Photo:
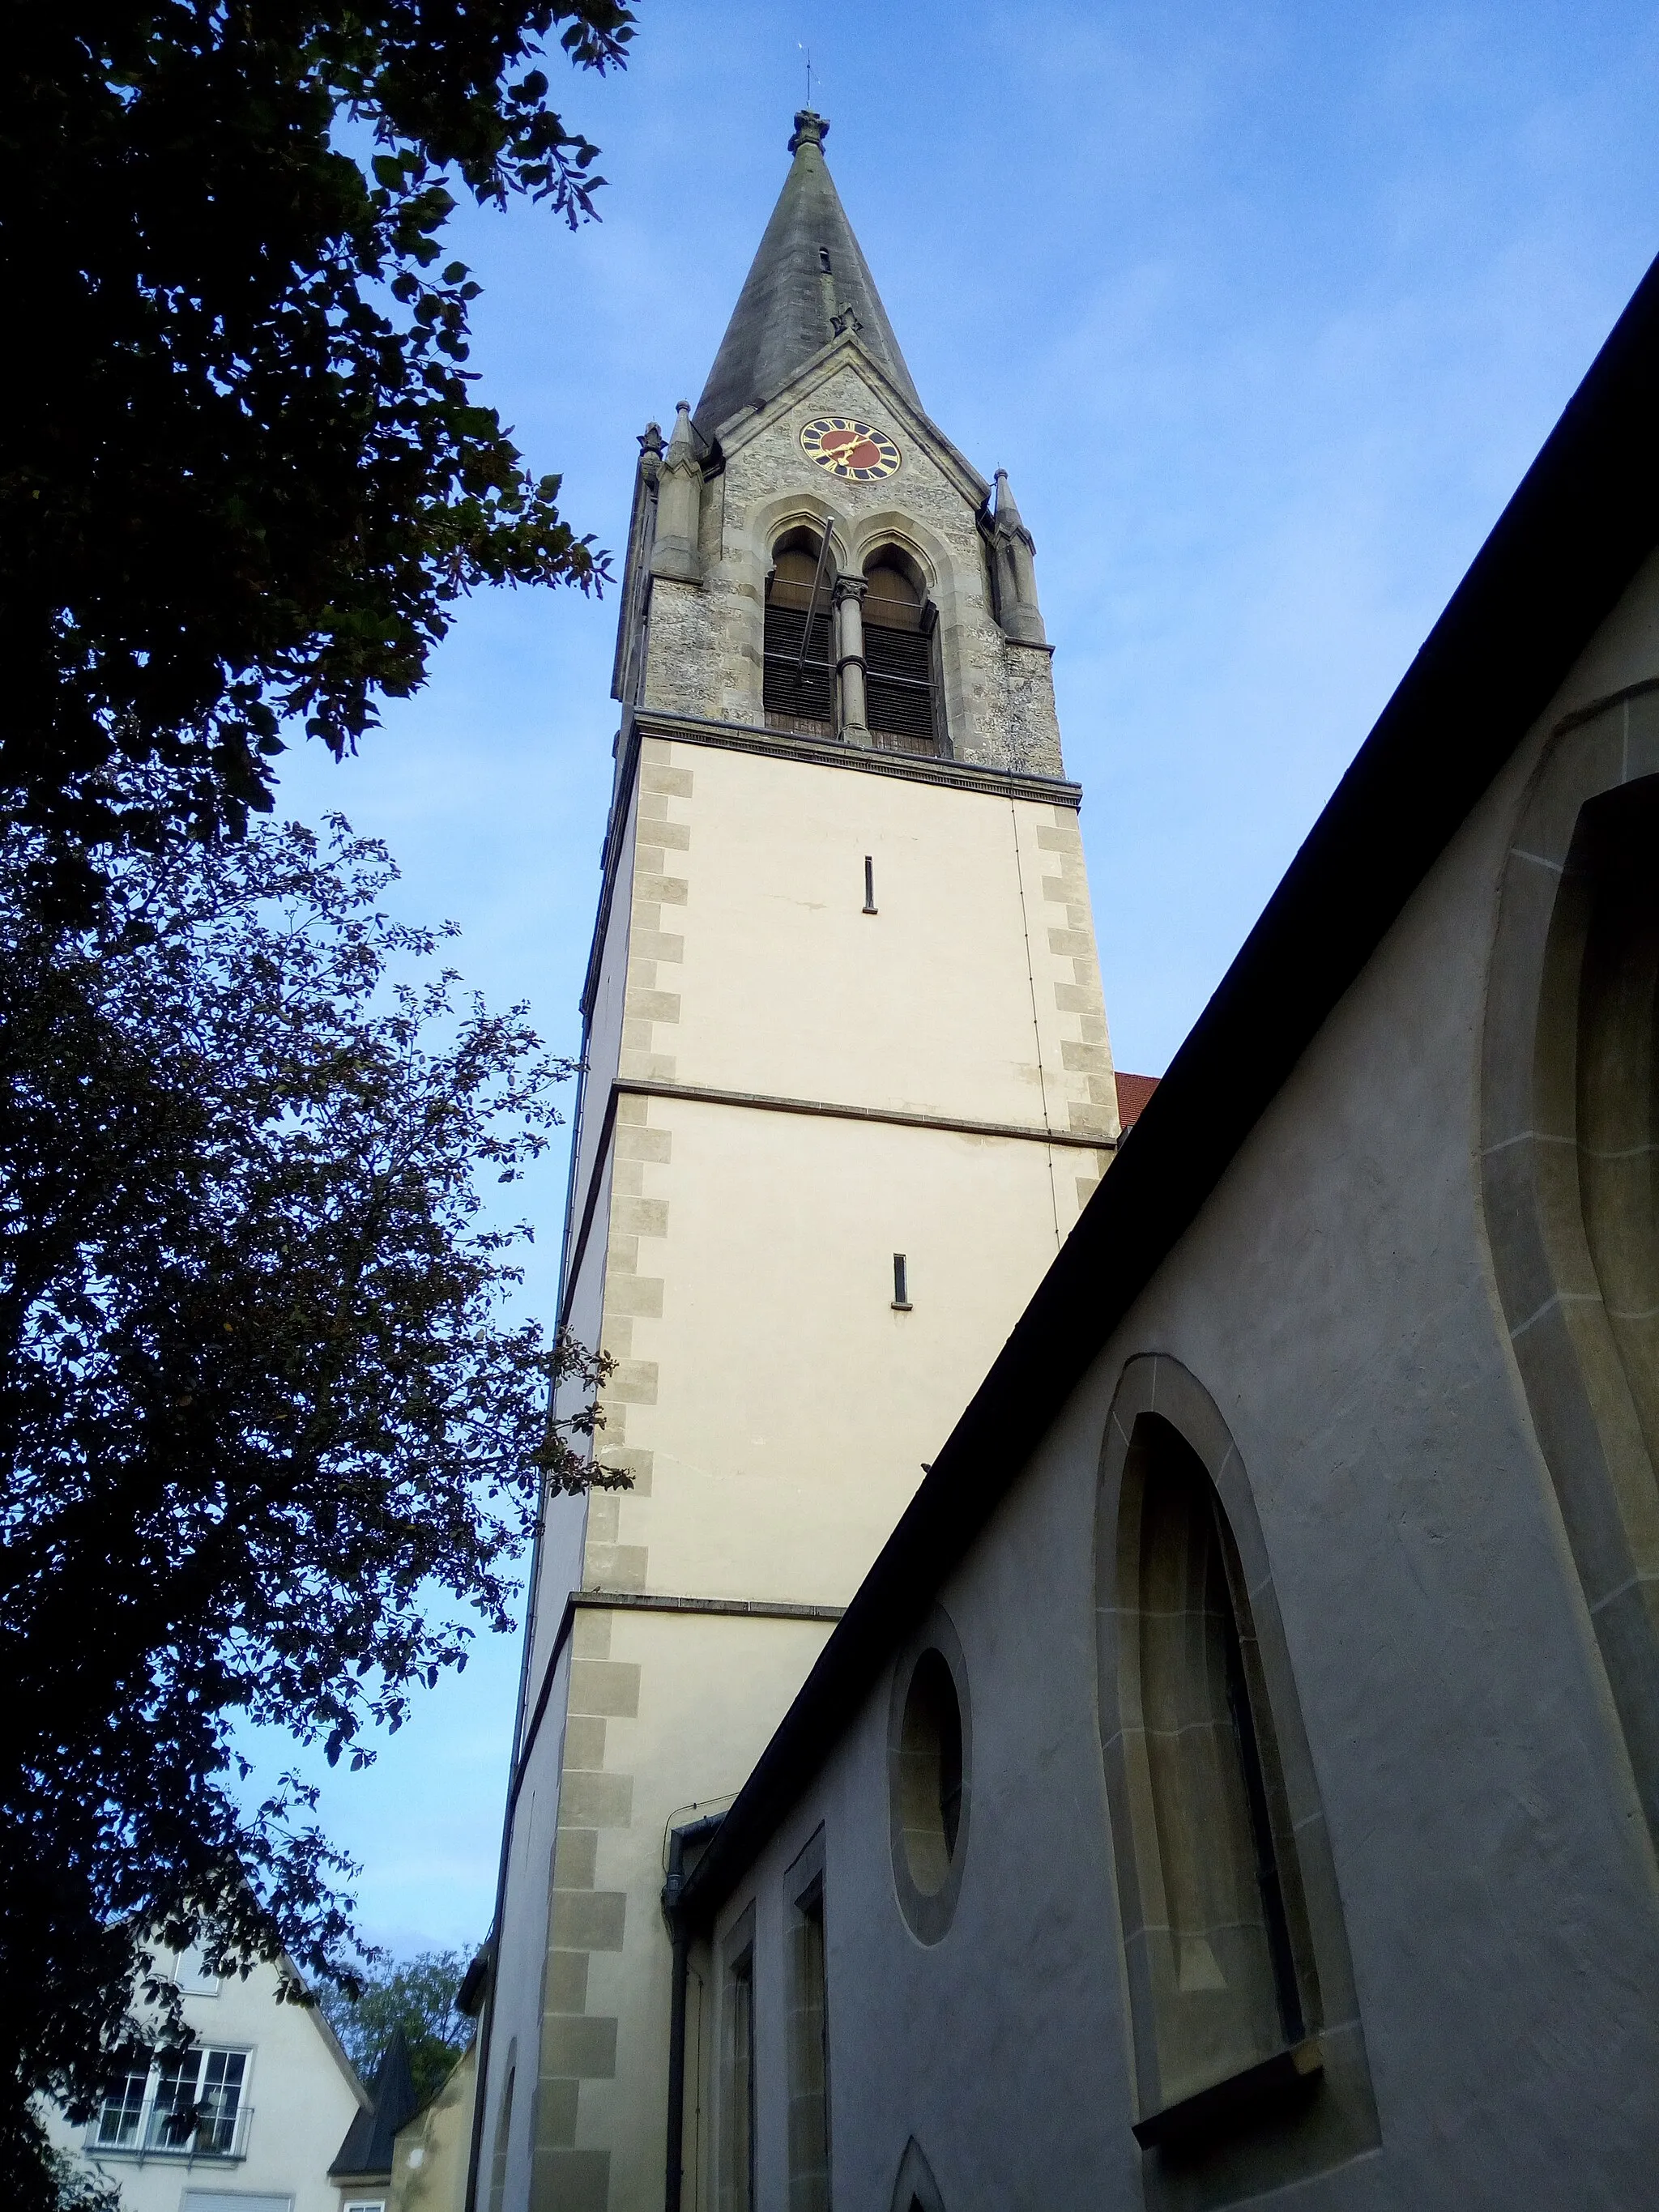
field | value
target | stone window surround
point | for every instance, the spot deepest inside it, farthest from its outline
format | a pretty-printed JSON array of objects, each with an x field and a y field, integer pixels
[
  {"x": 737, "y": 1950},
  {"x": 804, "y": 1898},
  {"x": 928, "y": 1917},
  {"x": 1252, "y": 2144},
  {"x": 1603, "y": 1481}
]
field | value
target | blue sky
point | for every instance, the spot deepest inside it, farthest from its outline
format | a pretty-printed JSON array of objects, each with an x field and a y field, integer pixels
[{"x": 1266, "y": 307}]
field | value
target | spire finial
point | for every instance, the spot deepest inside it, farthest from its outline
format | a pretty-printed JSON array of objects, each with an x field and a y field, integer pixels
[{"x": 811, "y": 130}]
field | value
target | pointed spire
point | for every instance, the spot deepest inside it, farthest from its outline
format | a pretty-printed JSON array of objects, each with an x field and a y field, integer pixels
[
  {"x": 809, "y": 283},
  {"x": 1014, "y": 569},
  {"x": 679, "y": 504}
]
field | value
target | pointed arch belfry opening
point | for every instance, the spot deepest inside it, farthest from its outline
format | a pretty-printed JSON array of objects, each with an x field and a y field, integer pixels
[{"x": 1243, "y": 2016}]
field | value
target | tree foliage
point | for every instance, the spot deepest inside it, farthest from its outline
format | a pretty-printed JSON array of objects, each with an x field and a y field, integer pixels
[
  {"x": 268, "y": 1425},
  {"x": 243, "y": 472},
  {"x": 417, "y": 1997}
]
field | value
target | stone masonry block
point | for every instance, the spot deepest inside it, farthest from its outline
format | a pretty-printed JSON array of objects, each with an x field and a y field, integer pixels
[
  {"x": 1070, "y": 943},
  {"x": 609, "y": 1687},
  {"x": 672, "y": 782},
  {"x": 567, "y": 1981},
  {"x": 589, "y": 1633},
  {"x": 570, "y": 2180},
  {"x": 576, "y": 1859},
  {"x": 637, "y": 1144},
  {"x": 589, "y": 1919},
  {"x": 629, "y": 1459},
  {"x": 656, "y": 945},
  {"x": 664, "y": 891},
  {"x": 646, "y": 1067},
  {"x": 1084, "y": 1059},
  {"x": 597, "y": 1801},
  {"x": 583, "y": 1742},
  {"x": 640, "y": 1217},
  {"x": 580, "y": 2047},
  {"x": 556, "y": 2114},
  {"x": 652, "y": 1006},
  {"x": 617, "y": 1566},
  {"x": 641, "y": 1295},
  {"x": 633, "y": 1382}
]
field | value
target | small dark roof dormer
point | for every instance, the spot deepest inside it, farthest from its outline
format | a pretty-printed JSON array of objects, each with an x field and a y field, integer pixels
[
  {"x": 809, "y": 283},
  {"x": 366, "y": 2153}
]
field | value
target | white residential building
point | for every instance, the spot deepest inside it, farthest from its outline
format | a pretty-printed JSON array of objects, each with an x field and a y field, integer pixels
[{"x": 248, "y": 2119}]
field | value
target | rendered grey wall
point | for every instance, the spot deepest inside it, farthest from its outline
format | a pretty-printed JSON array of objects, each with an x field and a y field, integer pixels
[{"x": 1335, "y": 1298}]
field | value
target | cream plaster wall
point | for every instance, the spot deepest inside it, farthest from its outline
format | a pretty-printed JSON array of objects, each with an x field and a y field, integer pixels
[
  {"x": 794, "y": 1405},
  {"x": 429, "y": 2158},
  {"x": 1498, "y": 1882},
  {"x": 940, "y": 1002}
]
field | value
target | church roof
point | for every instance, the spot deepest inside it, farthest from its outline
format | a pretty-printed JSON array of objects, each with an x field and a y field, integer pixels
[
  {"x": 809, "y": 283},
  {"x": 1570, "y": 541},
  {"x": 370, "y": 2138}
]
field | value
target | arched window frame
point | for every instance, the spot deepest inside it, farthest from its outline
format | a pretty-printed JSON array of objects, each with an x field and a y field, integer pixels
[
  {"x": 1299, "y": 2115},
  {"x": 1600, "y": 1467},
  {"x": 928, "y": 1914},
  {"x": 890, "y": 551},
  {"x": 798, "y": 694}
]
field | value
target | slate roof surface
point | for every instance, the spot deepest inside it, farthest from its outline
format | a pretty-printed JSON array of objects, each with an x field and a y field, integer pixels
[
  {"x": 1565, "y": 548},
  {"x": 786, "y": 309},
  {"x": 370, "y": 2140}
]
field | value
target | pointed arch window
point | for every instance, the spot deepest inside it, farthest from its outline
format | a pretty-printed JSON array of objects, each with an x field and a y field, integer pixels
[
  {"x": 1242, "y": 2007},
  {"x": 800, "y": 675},
  {"x": 900, "y": 657},
  {"x": 1570, "y": 1171}
]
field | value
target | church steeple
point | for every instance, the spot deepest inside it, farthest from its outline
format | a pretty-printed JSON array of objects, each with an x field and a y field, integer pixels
[{"x": 808, "y": 284}]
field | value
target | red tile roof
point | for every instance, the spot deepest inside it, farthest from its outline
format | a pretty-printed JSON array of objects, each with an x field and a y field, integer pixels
[{"x": 1132, "y": 1093}]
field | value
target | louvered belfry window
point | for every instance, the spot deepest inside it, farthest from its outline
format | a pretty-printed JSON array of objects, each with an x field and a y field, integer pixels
[
  {"x": 798, "y": 691},
  {"x": 898, "y": 658}
]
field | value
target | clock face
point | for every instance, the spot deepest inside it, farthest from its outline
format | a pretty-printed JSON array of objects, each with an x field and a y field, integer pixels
[{"x": 850, "y": 449}]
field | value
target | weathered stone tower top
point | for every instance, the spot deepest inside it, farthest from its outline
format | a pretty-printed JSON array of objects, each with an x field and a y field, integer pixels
[
  {"x": 809, "y": 283},
  {"x": 811, "y": 558}
]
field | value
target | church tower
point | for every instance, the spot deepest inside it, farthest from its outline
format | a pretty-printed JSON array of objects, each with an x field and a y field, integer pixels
[{"x": 847, "y": 1088}]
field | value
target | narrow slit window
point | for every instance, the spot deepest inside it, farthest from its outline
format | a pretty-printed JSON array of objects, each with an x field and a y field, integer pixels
[
  {"x": 738, "y": 2067},
  {"x": 808, "y": 2059},
  {"x": 900, "y": 1283},
  {"x": 869, "y": 884},
  {"x": 824, "y": 259}
]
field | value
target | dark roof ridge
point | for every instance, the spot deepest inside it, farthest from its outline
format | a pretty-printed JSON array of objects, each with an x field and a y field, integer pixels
[{"x": 1584, "y": 517}]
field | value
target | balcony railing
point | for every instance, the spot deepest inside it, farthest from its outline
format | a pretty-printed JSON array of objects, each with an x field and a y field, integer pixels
[{"x": 187, "y": 2138}]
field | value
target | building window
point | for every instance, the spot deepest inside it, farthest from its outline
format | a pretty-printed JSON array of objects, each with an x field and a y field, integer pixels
[
  {"x": 1570, "y": 1161},
  {"x": 808, "y": 2035},
  {"x": 187, "y": 2102},
  {"x": 503, "y": 2131},
  {"x": 1224, "y": 1985},
  {"x": 798, "y": 682},
  {"x": 930, "y": 1773},
  {"x": 901, "y": 692},
  {"x": 736, "y": 2165},
  {"x": 928, "y": 1749},
  {"x": 1242, "y": 2018}
]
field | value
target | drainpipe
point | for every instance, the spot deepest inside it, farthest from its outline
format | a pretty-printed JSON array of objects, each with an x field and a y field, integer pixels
[{"x": 694, "y": 1834}]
